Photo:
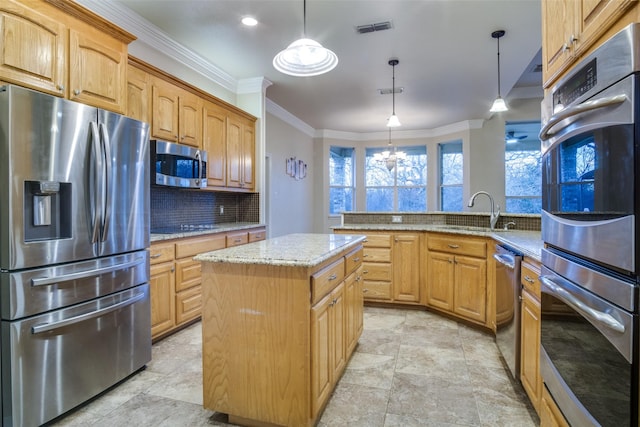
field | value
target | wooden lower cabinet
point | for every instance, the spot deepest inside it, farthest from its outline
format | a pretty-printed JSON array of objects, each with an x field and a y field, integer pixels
[
  {"x": 530, "y": 333},
  {"x": 175, "y": 278},
  {"x": 406, "y": 267},
  {"x": 457, "y": 276},
  {"x": 550, "y": 415}
]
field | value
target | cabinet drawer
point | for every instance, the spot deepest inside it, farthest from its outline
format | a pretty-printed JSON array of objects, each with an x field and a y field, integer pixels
[
  {"x": 457, "y": 245},
  {"x": 326, "y": 279},
  {"x": 530, "y": 281},
  {"x": 188, "y": 274},
  {"x": 257, "y": 235},
  {"x": 188, "y": 305},
  {"x": 377, "y": 290},
  {"x": 192, "y": 247},
  {"x": 161, "y": 252},
  {"x": 378, "y": 241},
  {"x": 237, "y": 238},
  {"x": 376, "y": 254},
  {"x": 376, "y": 271},
  {"x": 353, "y": 260}
]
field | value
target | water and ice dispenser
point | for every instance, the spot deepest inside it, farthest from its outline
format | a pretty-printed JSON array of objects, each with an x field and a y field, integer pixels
[{"x": 47, "y": 210}]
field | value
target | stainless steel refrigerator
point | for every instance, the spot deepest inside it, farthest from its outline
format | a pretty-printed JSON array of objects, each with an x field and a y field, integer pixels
[{"x": 74, "y": 263}]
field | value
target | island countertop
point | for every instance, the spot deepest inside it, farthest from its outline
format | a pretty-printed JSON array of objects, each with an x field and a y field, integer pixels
[{"x": 293, "y": 250}]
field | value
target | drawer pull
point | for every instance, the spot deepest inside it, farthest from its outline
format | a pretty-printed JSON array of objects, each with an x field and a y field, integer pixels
[
  {"x": 364, "y": 291},
  {"x": 237, "y": 241},
  {"x": 333, "y": 277},
  {"x": 365, "y": 255},
  {"x": 155, "y": 256},
  {"x": 453, "y": 246},
  {"x": 356, "y": 259},
  {"x": 529, "y": 279},
  {"x": 365, "y": 271}
]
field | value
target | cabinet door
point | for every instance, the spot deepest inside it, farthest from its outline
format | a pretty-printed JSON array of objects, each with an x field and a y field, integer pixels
[
  {"x": 161, "y": 285},
  {"x": 338, "y": 322},
  {"x": 530, "y": 349},
  {"x": 138, "y": 94},
  {"x": 234, "y": 152},
  {"x": 558, "y": 24},
  {"x": 33, "y": 50},
  {"x": 188, "y": 305},
  {"x": 321, "y": 353},
  {"x": 98, "y": 69},
  {"x": 248, "y": 155},
  {"x": 164, "y": 108},
  {"x": 440, "y": 274},
  {"x": 595, "y": 17},
  {"x": 470, "y": 288},
  {"x": 190, "y": 119},
  {"x": 353, "y": 309},
  {"x": 406, "y": 267},
  {"x": 214, "y": 133},
  {"x": 188, "y": 274},
  {"x": 550, "y": 415}
]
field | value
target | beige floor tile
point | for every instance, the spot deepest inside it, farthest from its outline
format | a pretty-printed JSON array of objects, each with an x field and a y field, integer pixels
[{"x": 371, "y": 370}]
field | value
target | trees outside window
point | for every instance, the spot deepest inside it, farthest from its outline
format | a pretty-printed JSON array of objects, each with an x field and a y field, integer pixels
[
  {"x": 341, "y": 180},
  {"x": 523, "y": 177},
  {"x": 401, "y": 188},
  {"x": 451, "y": 162}
]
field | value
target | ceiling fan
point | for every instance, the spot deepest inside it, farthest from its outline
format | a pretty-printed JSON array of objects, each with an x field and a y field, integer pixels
[{"x": 511, "y": 137}]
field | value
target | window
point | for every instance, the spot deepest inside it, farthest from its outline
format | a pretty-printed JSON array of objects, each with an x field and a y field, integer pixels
[
  {"x": 397, "y": 188},
  {"x": 451, "y": 176},
  {"x": 523, "y": 177},
  {"x": 341, "y": 191}
]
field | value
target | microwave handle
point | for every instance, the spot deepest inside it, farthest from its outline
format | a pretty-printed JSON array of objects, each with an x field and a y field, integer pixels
[
  {"x": 545, "y": 132},
  {"x": 200, "y": 172}
]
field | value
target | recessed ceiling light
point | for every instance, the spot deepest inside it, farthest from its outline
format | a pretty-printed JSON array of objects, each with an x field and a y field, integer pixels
[{"x": 249, "y": 21}]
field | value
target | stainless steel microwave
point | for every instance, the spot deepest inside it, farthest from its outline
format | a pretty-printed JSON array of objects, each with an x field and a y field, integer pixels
[{"x": 177, "y": 165}]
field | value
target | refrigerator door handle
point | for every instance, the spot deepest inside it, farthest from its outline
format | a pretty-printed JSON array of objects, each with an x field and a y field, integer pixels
[
  {"x": 106, "y": 208},
  {"x": 46, "y": 327},
  {"x": 44, "y": 281},
  {"x": 97, "y": 183}
]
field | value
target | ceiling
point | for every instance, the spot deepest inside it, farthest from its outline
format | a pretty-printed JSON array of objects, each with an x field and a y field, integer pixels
[{"x": 447, "y": 68}]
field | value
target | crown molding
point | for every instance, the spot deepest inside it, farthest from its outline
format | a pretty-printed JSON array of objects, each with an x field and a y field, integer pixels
[
  {"x": 253, "y": 85},
  {"x": 462, "y": 126},
  {"x": 287, "y": 117},
  {"x": 152, "y": 36}
]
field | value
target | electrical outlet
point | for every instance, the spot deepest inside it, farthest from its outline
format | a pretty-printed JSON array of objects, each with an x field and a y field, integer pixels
[
  {"x": 221, "y": 210},
  {"x": 396, "y": 218}
]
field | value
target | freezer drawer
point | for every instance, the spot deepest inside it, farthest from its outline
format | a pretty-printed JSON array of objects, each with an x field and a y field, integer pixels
[
  {"x": 30, "y": 292},
  {"x": 56, "y": 361}
]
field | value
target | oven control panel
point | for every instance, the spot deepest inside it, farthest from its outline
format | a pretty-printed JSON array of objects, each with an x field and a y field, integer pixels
[{"x": 577, "y": 85}]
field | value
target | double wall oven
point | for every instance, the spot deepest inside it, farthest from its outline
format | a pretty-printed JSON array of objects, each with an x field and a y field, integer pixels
[{"x": 590, "y": 226}]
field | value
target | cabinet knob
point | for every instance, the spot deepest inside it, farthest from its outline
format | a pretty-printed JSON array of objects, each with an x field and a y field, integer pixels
[
  {"x": 450, "y": 261},
  {"x": 76, "y": 92},
  {"x": 60, "y": 88},
  {"x": 572, "y": 39},
  {"x": 565, "y": 47},
  {"x": 173, "y": 269}
]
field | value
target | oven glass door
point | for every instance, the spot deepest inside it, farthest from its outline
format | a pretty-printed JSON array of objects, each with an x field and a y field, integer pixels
[
  {"x": 590, "y": 176},
  {"x": 580, "y": 363}
]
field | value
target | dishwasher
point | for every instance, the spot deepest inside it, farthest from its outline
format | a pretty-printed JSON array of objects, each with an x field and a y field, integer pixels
[{"x": 507, "y": 293}]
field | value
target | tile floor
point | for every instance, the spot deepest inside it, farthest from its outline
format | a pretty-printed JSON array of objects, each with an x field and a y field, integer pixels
[{"x": 411, "y": 368}]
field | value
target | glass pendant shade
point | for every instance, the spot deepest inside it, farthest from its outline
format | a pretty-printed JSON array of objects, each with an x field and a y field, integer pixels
[
  {"x": 498, "y": 105},
  {"x": 393, "y": 121},
  {"x": 305, "y": 57}
]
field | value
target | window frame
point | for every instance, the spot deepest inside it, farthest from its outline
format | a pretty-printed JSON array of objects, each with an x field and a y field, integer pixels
[
  {"x": 352, "y": 187},
  {"x": 441, "y": 185}
]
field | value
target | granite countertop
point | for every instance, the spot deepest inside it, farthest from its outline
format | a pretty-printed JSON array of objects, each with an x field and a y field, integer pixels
[
  {"x": 528, "y": 242},
  {"x": 220, "y": 228},
  {"x": 292, "y": 250}
]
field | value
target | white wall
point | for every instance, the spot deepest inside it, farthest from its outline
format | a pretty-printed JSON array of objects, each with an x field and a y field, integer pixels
[{"x": 290, "y": 201}]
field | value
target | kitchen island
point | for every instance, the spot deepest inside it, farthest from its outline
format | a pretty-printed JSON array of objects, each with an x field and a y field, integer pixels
[{"x": 280, "y": 319}]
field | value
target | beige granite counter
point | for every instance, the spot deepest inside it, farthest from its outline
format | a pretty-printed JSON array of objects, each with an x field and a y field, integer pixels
[
  {"x": 220, "y": 228},
  {"x": 293, "y": 250}
]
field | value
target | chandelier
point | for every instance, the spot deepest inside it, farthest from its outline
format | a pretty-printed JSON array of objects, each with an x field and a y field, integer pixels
[{"x": 391, "y": 156}]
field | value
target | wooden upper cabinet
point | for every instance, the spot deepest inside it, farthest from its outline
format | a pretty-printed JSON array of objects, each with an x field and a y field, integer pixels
[
  {"x": 177, "y": 114},
  {"x": 571, "y": 27},
  {"x": 138, "y": 94},
  {"x": 248, "y": 154},
  {"x": 33, "y": 50},
  {"x": 190, "y": 119},
  {"x": 214, "y": 133},
  {"x": 240, "y": 152},
  {"x": 98, "y": 69},
  {"x": 164, "y": 104}
]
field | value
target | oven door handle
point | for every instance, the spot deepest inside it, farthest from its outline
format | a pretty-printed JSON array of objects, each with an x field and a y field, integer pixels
[
  {"x": 545, "y": 132},
  {"x": 566, "y": 297}
]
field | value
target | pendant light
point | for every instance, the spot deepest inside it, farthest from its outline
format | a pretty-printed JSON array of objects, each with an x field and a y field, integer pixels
[
  {"x": 305, "y": 57},
  {"x": 393, "y": 121},
  {"x": 498, "y": 105}
]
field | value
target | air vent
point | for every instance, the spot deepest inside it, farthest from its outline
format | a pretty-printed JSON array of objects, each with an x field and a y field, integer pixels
[
  {"x": 537, "y": 68},
  {"x": 370, "y": 28},
  {"x": 389, "y": 91}
]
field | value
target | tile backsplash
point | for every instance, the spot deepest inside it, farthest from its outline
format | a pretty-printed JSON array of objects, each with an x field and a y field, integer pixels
[{"x": 174, "y": 207}]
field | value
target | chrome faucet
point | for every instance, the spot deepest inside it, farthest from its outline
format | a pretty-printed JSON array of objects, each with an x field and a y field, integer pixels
[{"x": 495, "y": 213}]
